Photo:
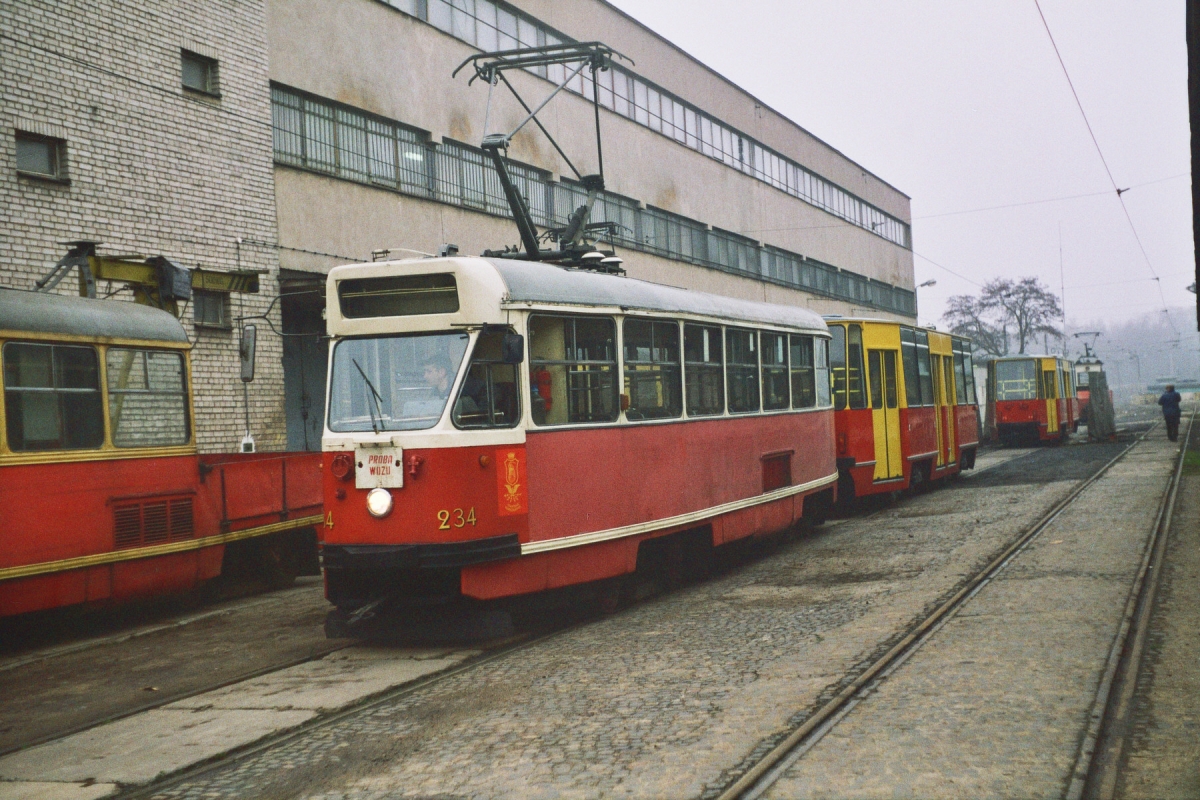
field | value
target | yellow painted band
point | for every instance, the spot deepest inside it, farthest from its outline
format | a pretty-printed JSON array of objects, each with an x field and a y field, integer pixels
[
  {"x": 99, "y": 559},
  {"x": 107, "y": 453},
  {"x": 105, "y": 340}
]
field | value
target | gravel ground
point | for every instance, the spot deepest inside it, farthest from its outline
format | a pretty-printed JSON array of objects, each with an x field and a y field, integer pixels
[
  {"x": 674, "y": 696},
  {"x": 1161, "y": 759},
  {"x": 995, "y": 704}
]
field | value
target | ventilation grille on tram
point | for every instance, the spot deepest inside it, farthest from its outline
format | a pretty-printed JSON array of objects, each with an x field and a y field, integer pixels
[{"x": 153, "y": 522}]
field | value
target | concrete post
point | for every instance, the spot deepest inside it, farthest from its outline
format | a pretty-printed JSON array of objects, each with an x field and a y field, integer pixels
[{"x": 1102, "y": 424}]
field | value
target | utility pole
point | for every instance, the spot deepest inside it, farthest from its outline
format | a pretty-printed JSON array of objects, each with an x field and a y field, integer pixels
[{"x": 1062, "y": 289}]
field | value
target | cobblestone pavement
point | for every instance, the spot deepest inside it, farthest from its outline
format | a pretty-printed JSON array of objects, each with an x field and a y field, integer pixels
[
  {"x": 996, "y": 703},
  {"x": 1162, "y": 756},
  {"x": 666, "y": 698}
]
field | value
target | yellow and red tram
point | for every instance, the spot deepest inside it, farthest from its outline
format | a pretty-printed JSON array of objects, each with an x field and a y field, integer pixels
[
  {"x": 904, "y": 404},
  {"x": 103, "y": 496},
  {"x": 499, "y": 427},
  {"x": 1032, "y": 398}
]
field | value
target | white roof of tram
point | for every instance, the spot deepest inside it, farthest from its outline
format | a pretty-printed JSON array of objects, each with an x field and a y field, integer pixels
[
  {"x": 63, "y": 315},
  {"x": 517, "y": 284}
]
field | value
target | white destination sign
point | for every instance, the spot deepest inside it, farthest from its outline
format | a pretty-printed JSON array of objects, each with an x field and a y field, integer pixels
[{"x": 378, "y": 466}]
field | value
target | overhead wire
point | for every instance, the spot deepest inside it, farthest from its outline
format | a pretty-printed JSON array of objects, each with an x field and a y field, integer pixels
[{"x": 1104, "y": 161}]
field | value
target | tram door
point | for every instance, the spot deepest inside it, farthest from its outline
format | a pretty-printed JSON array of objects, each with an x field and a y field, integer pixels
[
  {"x": 1050, "y": 392},
  {"x": 948, "y": 400},
  {"x": 885, "y": 414},
  {"x": 939, "y": 394}
]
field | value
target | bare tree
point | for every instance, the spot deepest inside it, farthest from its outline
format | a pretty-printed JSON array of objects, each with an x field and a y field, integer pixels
[
  {"x": 967, "y": 318},
  {"x": 1025, "y": 308}
]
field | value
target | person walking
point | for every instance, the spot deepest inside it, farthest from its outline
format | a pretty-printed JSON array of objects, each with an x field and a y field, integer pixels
[{"x": 1170, "y": 406}]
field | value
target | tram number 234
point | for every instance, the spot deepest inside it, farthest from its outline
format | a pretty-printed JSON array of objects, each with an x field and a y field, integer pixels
[{"x": 456, "y": 518}]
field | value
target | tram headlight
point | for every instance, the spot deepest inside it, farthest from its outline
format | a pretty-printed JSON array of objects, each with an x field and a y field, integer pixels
[{"x": 379, "y": 502}]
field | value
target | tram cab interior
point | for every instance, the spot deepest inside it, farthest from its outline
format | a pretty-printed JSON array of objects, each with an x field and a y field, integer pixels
[
  {"x": 1033, "y": 398},
  {"x": 524, "y": 426},
  {"x": 905, "y": 405}
]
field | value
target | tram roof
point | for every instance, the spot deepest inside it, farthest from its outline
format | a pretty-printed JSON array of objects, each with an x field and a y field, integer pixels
[
  {"x": 550, "y": 284},
  {"x": 37, "y": 312}
]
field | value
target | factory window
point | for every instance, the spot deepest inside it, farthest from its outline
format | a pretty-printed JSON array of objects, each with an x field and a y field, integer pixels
[
  {"x": 41, "y": 156},
  {"x": 327, "y": 137},
  {"x": 210, "y": 309},
  {"x": 199, "y": 73},
  {"x": 492, "y": 26}
]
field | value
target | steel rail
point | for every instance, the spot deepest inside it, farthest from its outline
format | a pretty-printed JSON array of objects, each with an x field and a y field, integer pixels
[
  {"x": 767, "y": 770},
  {"x": 1097, "y": 764}
]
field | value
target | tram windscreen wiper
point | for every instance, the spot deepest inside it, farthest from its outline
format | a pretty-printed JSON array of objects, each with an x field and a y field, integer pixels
[{"x": 375, "y": 398}]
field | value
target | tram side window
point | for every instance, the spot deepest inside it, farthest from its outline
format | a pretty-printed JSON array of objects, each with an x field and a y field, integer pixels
[
  {"x": 488, "y": 396},
  {"x": 1048, "y": 384},
  {"x": 572, "y": 369},
  {"x": 970, "y": 373},
  {"x": 924, "y": 369},
  {"x": 1062, "y": 383},
  {"x": 704, "y": 370},
  {"x": 960, "y": 374},
  {"x": 773, "y": 347},
  {"x": 912, "y": 377},
  {"x": 52, "y": 397},
  {"x": 742, "y": 370},
  {"x": 804, "y": 373},
  {"x": 652, "y": 379},
  {"x": 147, "y": 399},
  {"x": 1016, "y": 380},
  {"x": 821, "y": 354},
  {"x": 837, "y": 364},
  {"x": 948, "y": 380},
  {"x": 856, "y": 390}
]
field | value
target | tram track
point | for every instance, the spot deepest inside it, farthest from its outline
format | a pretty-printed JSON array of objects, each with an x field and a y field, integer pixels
[
  {"x": 759, "y": 776},
  {"x": 1097, "y": 765}
]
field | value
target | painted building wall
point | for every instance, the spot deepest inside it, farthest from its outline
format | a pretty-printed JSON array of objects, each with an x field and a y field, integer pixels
[
  {"x": 372, "y": 57},
  {"x": 150, "y": 169}
]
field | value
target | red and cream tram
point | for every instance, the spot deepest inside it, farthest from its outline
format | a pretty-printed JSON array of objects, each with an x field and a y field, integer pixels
[
  {"x": 1033, "y": 399},
  {"x": 500, "y": 427},
  {"x": 904, "y": 405},
  {"x": 102, "y": 494}
]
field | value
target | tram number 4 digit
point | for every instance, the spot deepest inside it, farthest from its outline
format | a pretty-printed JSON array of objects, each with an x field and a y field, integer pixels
[{"x": 456, "y": 518}]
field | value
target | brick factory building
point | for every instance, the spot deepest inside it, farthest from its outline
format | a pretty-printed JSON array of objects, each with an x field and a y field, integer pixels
[{"x": 289, "y": 136}]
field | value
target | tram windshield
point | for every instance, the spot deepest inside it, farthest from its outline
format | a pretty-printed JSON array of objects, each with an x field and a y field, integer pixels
[
  {"x": 393, "y": 383},
  {"x": 1016, "y": 380}
]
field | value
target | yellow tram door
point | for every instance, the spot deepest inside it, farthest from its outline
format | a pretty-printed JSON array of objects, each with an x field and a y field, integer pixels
[
  {"x": 1050, "y": 392},
  {"x": 885, "y": 414},
  {"x": 948, "y": 400},
  {"x": 935, "y": 369}
]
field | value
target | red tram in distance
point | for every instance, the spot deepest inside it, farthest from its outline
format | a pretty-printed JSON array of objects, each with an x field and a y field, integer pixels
[
  {"x": 1033, "y": 399},
  {"x": 904, "y": 404},
  {"x": 103, "y": 496},
  {"x": 500, "y": 427}
]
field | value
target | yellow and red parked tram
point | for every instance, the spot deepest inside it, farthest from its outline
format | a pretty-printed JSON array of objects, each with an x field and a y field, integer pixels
[
  {"x": 904, "y": 405},
  {"x": 498, "y": 427},
  {"x": 103, "y": 496},
  {"x": 1032, "y": 398}
]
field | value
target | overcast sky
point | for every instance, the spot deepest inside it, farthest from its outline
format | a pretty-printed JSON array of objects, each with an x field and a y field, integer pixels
[{"x": 963, "y": 106}]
